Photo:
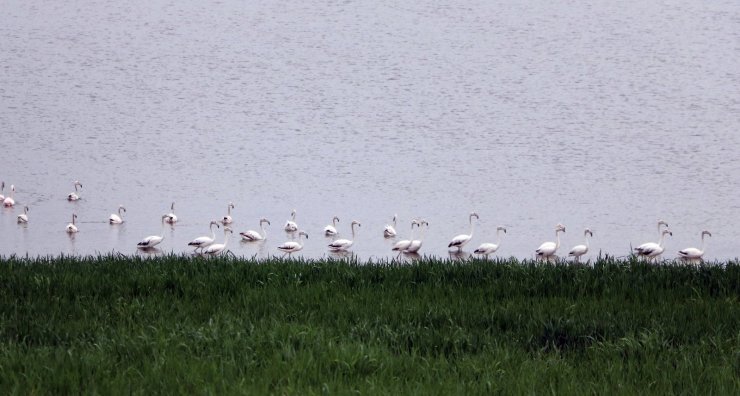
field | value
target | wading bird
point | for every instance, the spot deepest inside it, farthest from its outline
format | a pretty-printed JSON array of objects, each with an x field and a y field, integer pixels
[
  {"x": 291, "y": 247},
  {"x": 23, "y": 217},
  {"x": 580, "y": 250},
  {"x": 117, "y": 218},
  {"x": 402, "y": 245},
  {"x": 694, "y": 253},
  {"x": 652, "y": 250},
  {"x": 73, "y": 196},
  {"x": 390, "y": 230},
  {"x": 462, "y": 239},
  {"x": 254, "y": 236},
  {"x": 291, "y": 225},
  {"x": 548, "y": 249},
  {"x": 344, "y": 244},
  {"x": 71, "y": 227},
  {"x": 152, "y": 240},
  {"x": 331, "y": 229},
  {"x": 489, "y": 248},
  {"x": 2, "y": 190},
  {"x": 416, "y": 243},
  {"x": 205, "y": 241},
  {"x": 227, "y": 219},
  {"x": 171, "y": 218},
  {"x": 218, "y": 248},
  {"x": 9, "y": 201}
]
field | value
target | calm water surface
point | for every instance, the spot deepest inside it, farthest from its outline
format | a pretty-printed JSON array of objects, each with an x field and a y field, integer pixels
[{"x": 608, "y": 115}]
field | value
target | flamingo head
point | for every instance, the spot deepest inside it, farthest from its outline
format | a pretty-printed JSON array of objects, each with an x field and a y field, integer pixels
[
  {"x": 559, "y": 228},
  {"x": 667, "y": 232},
  {"x": 501, "y": 228},
  {"x": 474, "y": 214},
  {"x": 705, "y": 232},
  {"x": 264, "y": 220},
  {"x": 662, "y": 223},
  {"x": 588, "y": 232},
  {"x": 303, "y": 233}
]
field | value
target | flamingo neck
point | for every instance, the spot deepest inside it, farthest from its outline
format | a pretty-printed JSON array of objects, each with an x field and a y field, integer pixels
[
  {"x": 421, "y": 233},
  {"x": 213, "y": 233},
  {"x": 587, "y": 241},
  {"x": 353, "y": 232},
  {"x": 702, "y": 243},
  {"x": 557, "y": 239},
  {"x": 472, "y": 226},
  {"x": 660, "y": 242},
  {"x": 498, "y": 237}
]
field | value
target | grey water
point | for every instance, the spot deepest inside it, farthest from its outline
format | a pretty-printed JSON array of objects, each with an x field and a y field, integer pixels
[{"x": 608, "y": 115}]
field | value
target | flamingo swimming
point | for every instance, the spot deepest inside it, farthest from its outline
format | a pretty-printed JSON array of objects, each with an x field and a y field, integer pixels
[
  {"x": 73, "y": 196},
  {"x": 462, "y": 239},
  {"x": 652, "y": 250},
  {"x": 204, "y": 241},
  {"x": 331, "y": 229},
  {"x": 227, "y": 219},
  {"x": 344, "y": 244},
  {"x": 171, "y": 218},
  {"x": 390, "y": 230},
  {"x": 117, "y": 218},
  {"x": 254, "y": 236},
  {"x": 694, "y": 253},
  {"x": 580, "y": 250},
  {"x": 548, "y": 249},
  {"x": 415, "y": 244},
  {"x": 23, "y": 217},
  {"x": 290, "y": 225},
  {"x": 9, "y": 201},
  {"x": 152, "y": 240},
  {"x": 291, "y": 247},
  {"x": 489, "y": 248},
  {"x": 218, "y": 248},
  {"x": 71, "y": 227}
]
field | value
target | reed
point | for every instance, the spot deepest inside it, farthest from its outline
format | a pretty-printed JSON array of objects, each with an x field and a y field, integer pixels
[{"x": 176, "y": 324}]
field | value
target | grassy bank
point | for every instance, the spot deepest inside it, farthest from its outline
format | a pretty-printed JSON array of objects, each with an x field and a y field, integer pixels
[{"x": 115, "y": 325}]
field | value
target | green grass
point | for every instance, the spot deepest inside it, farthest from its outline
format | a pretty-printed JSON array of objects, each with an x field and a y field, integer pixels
[{"x": 121, "y": 325}]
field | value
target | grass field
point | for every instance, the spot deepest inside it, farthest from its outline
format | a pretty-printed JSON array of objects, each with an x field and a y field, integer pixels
[{"x": 120, "y": 325}]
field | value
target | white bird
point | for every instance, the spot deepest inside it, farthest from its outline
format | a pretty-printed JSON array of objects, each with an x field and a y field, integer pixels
[
  {"x": 117, "y": 218},
  {"x": 344, "y": 244},
  {"x": 661, "y": 223},
  {"x": 694, "y": 253},
  {"x": 404, "y": 244},
  {"x": 490, "y": 248},
  {"x": 254, "y": 236},
  {"x": 227, "y": 219},
  {"x": 171, "y": 218},
  {"x": 652, "y": 250},
  {"x": 390, "y": 230},
  {"x": 2, "y": 189},
  {"x": 9, "y": 201},
  {"x": 580, "y": 250},
  {"x": 204, "y": 241},
  {"x": 290, "y": 225},
  {"x": 548, "y": 249},
  {"x": 331, "y": 229},
  {"x": 71, "y": 227},
  {"x": 218, "y": 248},
  {"x": 152, "y": 240},
  {"x": 462, "y": 239},
  {"x": 23, "y": 217},
  {"x": 73, "y": 196},
  {"x": 291, "y": 247},
  {"x": 415, "y": 244}
]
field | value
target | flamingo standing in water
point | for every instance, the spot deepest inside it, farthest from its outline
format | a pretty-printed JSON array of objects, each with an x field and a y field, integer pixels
[
  {"x": 652, "y": 250},
  {"x": 254, "y": 236},
  {"x": 291, "y": 247},
  {"x": 404, "y": 244},
  {"x": 548, "y": 249},
  {"x": 345, "y": 244},
  {"x": 331, "y": 229},
  {"x": 2, "y": 189},
  {"x": 152, "y": 240},
  {"x": 227, "y": 219},
  {"x": 489, "y": 248},
  {"x": 580, "y": 250},
  {"x": 73, "y": 196},
  {"x": 9, "y": 201},
  {"x": 117, "y": 218},
  {"x": 218, "y": 248},
  {"x": 694, "y": 253},
  {"x": 205, "y": 241},
  {"x": 661, "y": 223},
  {"x": 462, "y": 239},
  {"x": 171, "y": 218},
  {"x": 71, "y": 227},
  {"x": 390, "y": 230},
  {"x": 415, "y": 244},
  {"x": 23, "y": 217},
  {"x": 290, "y": 225}
]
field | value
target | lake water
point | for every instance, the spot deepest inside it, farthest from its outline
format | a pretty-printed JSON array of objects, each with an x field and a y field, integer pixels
[{"x": 608, "y": 115}]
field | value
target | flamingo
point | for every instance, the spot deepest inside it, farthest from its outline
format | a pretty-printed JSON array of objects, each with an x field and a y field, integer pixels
[
  {"x": 404, "y": 244},
  {"x": 661, "y": 223},
  {"x": 345, "y": 244},
  {"x": 254, "y": 236},
  {"x": 73, "y": 195},
  {"x": 71, "y": 227},
  {"x": 462, "y": 239},
  {"x": 227, "y": 219},
  {"x": 171, "y": 218},
  {"x": 489, "y": 248},
  {"x": 117, "y": 218},
  {"x": 23, "y": 217},
  {"x": 218, "y": 248},
  {"x": 152, "y": 240},
  {"x": 548, "y": 249},
  {"x": 291, "y": 247},
  {"x": 9, "y": 201},
  {"x": 580, "y": 250},
  {"x": 652, "y": 250},
  {"x": 290, "y": 225},
  {"x": 694, "y": 253},
  {"x": 331, "y": 229},
  {"x": 390, "y": 230},
  {"x": 2, "y": 188},
  {"x": 205, "y": 241},
  {"x": 415, "y": 245}
]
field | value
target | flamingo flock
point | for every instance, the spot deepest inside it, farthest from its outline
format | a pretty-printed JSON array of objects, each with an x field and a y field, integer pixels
[{"x": 206, "y": 245}]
